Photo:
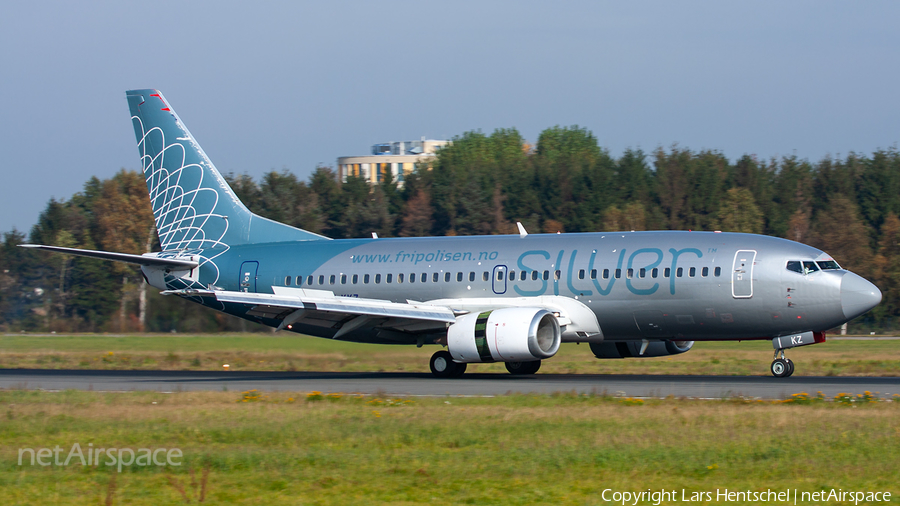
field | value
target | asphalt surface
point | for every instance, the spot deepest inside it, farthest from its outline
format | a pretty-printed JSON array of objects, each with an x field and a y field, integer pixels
[{"x": 412, "y": 384}]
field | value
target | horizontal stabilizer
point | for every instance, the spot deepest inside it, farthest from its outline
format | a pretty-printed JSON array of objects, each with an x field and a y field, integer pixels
[{"x": 119, "y": 257}]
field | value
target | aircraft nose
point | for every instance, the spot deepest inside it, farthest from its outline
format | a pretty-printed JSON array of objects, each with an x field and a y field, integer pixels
[{"x": 858, "y": 295}]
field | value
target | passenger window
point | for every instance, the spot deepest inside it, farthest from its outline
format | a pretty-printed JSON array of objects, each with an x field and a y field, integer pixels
[
  {"x": 794, "y": 266},
  {"x": 378, "y": 279},
  {"x": 629, "y": 273},
  {"x": 667, "y": 272},
  {"x": 523, "y": 275},
  {"x": 618, "y": 273},
  {"x": 387, "y": 278},
  {"x": 321, "y": 279},
  {"x": 546, "y": 275},
  {"x": 679, "y": 272},
  {"x": 512, "y": 275},
  {"x": 446, "y": 277},
  {"x": 399, "y": 278},
  {"x": 343, "y": 279},
  {"x": 499, "y": 275},
  {"x": 287, "y": 281},
  {"x": 693, "y": 272},
  {"x": 299, "y": 280},
  {"x": 704, "y": 272},
  {"x": 581, "y": 274},
  {"x": 534, "y": 275},
  {"x": 485, "y": 276},
  {"x": 718, "y": 271},
  {"x": 593, "y": 273},
  {"x": 332, "y": 279},
  {"x": 471, "y": 277},
  {"x": 557, "y": 275},
  {"x": 459, "y": 277},
  {"x": 366, "y": 279},
  {"x": 654, "y": 273},
  {"x": 425, "y": 277},
  {"x": 642, "y": 273},
  {"x": 412, "y": 278},
  {"x": 605, "y": 273},
  {"x": 355, "y": 279},
  {"x": 810, "y": 267},
  {"x": 309, "y": 280}
]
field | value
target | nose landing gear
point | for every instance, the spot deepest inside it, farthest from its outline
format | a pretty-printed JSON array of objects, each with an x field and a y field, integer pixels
[{"x": 781, "y": 367}]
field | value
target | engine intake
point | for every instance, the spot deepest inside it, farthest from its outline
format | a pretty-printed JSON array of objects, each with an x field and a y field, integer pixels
[{"x": 519, "y": 334}]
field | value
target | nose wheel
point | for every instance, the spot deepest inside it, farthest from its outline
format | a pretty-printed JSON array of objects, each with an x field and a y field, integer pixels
[{"x": 782, "y": 367}]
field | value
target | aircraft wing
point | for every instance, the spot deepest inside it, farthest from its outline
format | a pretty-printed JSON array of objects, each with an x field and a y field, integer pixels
[
  {"x": 171, "y": 263},
  {"x": 321, "y": 308}
]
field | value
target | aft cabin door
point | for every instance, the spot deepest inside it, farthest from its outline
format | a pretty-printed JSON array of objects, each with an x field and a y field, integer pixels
[
  {"x": 742, "y": 274},
  {"x": 248, "y": 276},
  {"x": 499, "y": 279}
]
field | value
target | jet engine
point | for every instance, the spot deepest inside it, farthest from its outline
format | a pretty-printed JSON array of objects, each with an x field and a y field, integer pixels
[
  {"x": 515, "y": 334},
  {"x": 626, "y": 349}
]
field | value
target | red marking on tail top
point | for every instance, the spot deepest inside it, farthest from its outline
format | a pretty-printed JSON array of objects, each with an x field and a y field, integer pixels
[{"x": 166, "y": 108}]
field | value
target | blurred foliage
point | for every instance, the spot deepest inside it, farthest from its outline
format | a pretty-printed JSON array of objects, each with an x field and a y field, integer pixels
[{"x": 479, "y": 184}]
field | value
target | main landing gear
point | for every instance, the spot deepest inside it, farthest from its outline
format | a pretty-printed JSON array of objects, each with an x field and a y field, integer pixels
[
  {"x": 782, "y": 367},
  {"x": 443, "y": 366}
]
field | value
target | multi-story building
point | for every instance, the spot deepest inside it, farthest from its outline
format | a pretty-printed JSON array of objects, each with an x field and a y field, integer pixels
[{"x": 396, "y": 158}]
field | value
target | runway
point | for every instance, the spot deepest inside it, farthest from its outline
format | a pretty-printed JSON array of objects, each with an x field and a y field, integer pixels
[{"x": 416, "y": 384}]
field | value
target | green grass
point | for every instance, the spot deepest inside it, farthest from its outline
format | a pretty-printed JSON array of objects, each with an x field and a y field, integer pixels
[
  {"x": 290, "y": 352},
  {"x": 283, "y": 448}
]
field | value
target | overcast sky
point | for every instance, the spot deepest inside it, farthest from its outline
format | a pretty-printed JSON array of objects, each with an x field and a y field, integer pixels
[{"x": 290, "y": 85}]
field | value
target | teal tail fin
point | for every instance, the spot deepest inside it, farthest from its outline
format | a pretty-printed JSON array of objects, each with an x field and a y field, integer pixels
[{"x": 193, "y": 206}]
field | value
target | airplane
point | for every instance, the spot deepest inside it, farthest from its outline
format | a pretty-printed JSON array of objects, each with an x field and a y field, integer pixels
[{"x": 511, "y": 298}]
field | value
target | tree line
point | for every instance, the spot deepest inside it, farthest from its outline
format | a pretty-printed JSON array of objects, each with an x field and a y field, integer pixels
[{"x": 480, "y": 184}]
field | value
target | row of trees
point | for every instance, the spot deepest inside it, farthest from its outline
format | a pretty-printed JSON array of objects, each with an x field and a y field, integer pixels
[{"x": 480, "y": 184}]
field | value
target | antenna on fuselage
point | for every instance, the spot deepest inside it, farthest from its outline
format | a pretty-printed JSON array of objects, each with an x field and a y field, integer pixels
[{"x": 522, "y": 231}]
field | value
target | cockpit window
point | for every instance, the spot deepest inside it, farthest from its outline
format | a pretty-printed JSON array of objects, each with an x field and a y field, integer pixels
[
  {"x": 810, "y": 267},
  {"x": 828, "y": 265},
  {"x": 794, "y": 265}
]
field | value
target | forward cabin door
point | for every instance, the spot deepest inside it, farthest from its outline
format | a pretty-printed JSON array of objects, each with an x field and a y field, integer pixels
[
  {"x": 742, "y": 274},
  {"x": 499, "y": 279},
  {"x": 248, "y": 276}
]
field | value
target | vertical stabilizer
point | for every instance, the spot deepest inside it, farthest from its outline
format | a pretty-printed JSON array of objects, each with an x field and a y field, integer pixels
[{"x": 193, "y": 206}]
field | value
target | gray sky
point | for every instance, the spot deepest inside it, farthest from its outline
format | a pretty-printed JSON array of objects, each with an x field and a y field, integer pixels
[{"x": 274, "y": 85}]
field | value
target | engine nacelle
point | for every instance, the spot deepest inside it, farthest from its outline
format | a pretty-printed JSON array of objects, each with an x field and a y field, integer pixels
[
  {"x": 515, "y": 334},
  {"x": 626, "y": 349}
]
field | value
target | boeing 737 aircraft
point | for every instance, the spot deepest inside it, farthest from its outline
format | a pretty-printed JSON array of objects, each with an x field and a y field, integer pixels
[{"x": 511, "y": 299}]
